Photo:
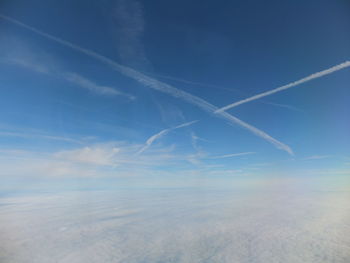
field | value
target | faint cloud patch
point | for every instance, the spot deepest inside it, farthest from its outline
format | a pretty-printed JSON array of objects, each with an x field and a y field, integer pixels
[
  {"x": 317, "y": 157},
  {"x": 129, "y": 30},
  {"x": 22, "y": 55},
  {"x": 83, "y": 82},
  {"x": 90, "y": 155}
]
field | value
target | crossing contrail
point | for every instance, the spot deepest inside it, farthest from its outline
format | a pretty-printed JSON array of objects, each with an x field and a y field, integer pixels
[
  {"x": 158, "y": 85},
  {"x": 288, "y": 86}
]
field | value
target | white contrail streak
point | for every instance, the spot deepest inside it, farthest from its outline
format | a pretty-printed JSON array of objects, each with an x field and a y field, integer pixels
[
  {"x": 231, "y": 155},
  {"x": 151, "y": 139},
  {"x": 290, "y": 85},
  {"x": 160, "y": 134},
  {"x": 185, "y": 124},
  {"x": 158, "y": 85}
]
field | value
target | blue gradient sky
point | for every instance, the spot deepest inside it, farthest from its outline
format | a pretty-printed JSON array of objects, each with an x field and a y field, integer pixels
[{"x": 66, "y": 115}]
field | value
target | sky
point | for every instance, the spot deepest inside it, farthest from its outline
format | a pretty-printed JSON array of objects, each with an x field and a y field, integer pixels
[
  {"x": 174, "y": 131},
  {"x": 133, "y": 92}
]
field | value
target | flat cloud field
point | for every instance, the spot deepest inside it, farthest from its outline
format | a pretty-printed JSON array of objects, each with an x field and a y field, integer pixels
[{"x": 176, "y": 225}]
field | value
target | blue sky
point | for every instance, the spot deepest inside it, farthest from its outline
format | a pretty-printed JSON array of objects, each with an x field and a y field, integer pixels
[{"x": 129, "y": 89}]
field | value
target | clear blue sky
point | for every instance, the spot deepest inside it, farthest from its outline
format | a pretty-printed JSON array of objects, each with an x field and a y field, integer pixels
[{"x": 64, "y": 113}]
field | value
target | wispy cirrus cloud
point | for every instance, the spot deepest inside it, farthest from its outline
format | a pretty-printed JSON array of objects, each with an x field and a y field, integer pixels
[
  {"x": 43, "y": 63},
  {"x": 316, "y": 75},
  {"x": 27, "y": 63},
  {"x": 38, "y": 136},
  {"x": 159, "y": 86},
  {"x": 85, "y": 83}
]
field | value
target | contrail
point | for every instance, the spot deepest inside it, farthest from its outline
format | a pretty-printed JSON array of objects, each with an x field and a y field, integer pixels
[
  {"x": 282, "y": 106},
  {"x": 219, "y": 87},
  {"x": 160, "y": 134},
  {"x": 231, "y": 155},
  {"x": 192, "y": 82},
  {"x": 158, "y": 85},
  {"x": 290, "y": 85},
  {"x": 185, "y": 124}
]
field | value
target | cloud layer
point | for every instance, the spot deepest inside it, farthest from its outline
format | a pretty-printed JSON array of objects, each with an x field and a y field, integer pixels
[{"x": 278, "y": 222}]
